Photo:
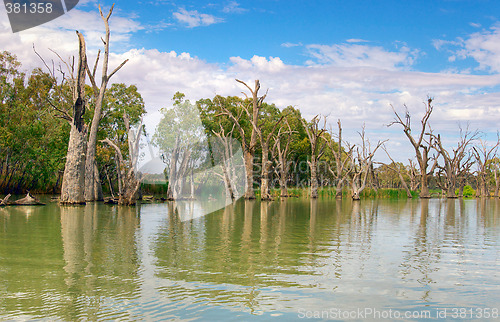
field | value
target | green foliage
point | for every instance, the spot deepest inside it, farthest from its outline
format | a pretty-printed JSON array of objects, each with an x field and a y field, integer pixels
[
  {"x": 32, "y": 143},
  {"x": 469, "y": 192},
  {"x": 119, "y": 100}
]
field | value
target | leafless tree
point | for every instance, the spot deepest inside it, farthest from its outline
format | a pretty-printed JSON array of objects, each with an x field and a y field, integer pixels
[
  {"x": 399, "y": 172},
  {"x": 318, "y": 143},
  {"x": 72, "y": 190},
  {"x": 362, "y": 162},
  {"x": 483, "y": 155},
  {"x": 421, "y": 145},
  {"x": 265, "y": 141},
  {"x": 414, "y": 175},
  {"x": 224, "y": 149},
  {"x": 93, "y": 189},
  {"x": 453, "y": 160},
  {"x": 248, "y": 146},
  {"x": 283, "y": 164},
  {"x": 128, "y": 179},
  {"x": 342, "y": 160}
]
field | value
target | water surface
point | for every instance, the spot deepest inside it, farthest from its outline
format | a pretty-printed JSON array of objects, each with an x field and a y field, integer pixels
[{"x": 253, "y": 260}]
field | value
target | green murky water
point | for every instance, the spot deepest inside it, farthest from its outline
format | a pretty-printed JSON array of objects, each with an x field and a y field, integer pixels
[{"x": 282, "y": 260}]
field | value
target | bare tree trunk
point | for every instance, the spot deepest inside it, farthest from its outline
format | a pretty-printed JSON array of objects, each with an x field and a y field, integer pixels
[
  {"x": 93, "y": 189},
  {"x": 72, "y": 190},
  {"x": 420, "y": 145},
  {"x": 313, "y": 166},
  {"x": 266, "y": 164},
  {"x": 249, "y": 192}
]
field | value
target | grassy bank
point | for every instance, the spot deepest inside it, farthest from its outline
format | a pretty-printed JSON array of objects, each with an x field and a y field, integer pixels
[{"x": 369, "y": 193}]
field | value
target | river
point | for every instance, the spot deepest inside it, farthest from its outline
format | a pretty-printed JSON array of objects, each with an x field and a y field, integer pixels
[{"x": 281, "y": 260}]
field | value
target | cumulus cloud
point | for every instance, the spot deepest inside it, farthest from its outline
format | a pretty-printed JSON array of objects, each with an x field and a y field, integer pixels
[
  {"x": 192, "y": 18},
  {"x": 482, "y": 46}
]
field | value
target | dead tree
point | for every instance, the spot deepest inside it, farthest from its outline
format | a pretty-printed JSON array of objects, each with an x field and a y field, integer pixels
[
  {"x": 450, "y": 170},
  {"x": 93, "y": 189},
  {"x": 224, "y": 149},
  {"x": 399, "y": 173},
  {"x": 283, "y": 151},
  {"x": 342, "y": 161},
  {"x": 421, "y": 146},
  {"x": 318, "y": 143},
  {"x": 361, "y": 165},
  {"x": 496, "y": 176},
  {"x": 483, "y": 155},
  {"x": 128, "y": 179},
  {"x": 72, "y": 190},
  {"x": 248, "y": 146},
  {"x": 464, "y": 172},
  {"x": 266, "y": 163},
  {"x": 414, "y": 175}
]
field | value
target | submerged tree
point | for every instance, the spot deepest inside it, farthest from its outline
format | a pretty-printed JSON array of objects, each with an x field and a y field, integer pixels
[
  {"x": 454, "y": 161},
  {"x": 342, "y": 161},
  {"x": 422, "y": 144},
  {"x": 72, "y": 190},
  {"x": 483, "y": 155},
  {"x": 180, "y": 137},
  {"x": 362, "y": 163},
  {"x": 282, "y": 148},
  {"x": 129, "y": 180},
  {"x": 318, "y": 143},
  {"x": 252, "y": 109},
  {"x": 93, "y": 189}
]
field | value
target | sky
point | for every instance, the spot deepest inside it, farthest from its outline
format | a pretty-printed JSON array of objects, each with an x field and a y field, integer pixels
[{"x": 349, "y": 60}]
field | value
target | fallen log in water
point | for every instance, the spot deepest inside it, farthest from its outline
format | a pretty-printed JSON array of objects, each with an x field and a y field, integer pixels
[
  {"x": 111, "y": 201},
  {"x": 29, "y": 200},
  {"x": 3, "y": 202}
]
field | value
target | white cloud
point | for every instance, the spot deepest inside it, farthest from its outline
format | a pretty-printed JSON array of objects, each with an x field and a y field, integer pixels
[
  {"x": 290, "y": 45},
  {"x": 482, "y": 46},
  {"x": 356, "y": 83},
  {"x": 356, "y": 40},
  {"x": 193, "y": 18},
  {"x": 355, "y": 55},
  {"x": 233, "y": 7}
]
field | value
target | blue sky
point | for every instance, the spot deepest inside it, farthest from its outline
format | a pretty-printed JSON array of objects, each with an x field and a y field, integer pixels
[
  {"x": 265, "y": 28},
  {"x": 346, "y": 59}
]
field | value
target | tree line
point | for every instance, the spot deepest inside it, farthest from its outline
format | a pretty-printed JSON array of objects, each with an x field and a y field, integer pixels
[{"x": 97, "y": 145}]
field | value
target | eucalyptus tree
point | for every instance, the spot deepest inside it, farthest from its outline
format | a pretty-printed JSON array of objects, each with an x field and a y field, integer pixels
[
  {"x": 32, "y": 145},
  {"x": 124, "y": 108},
  {"x": 180, "y": 137},
  {"x": 129, "y": 180}
]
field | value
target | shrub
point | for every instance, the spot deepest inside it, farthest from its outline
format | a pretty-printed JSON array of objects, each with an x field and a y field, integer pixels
[{"x": 468, "y": 192}]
